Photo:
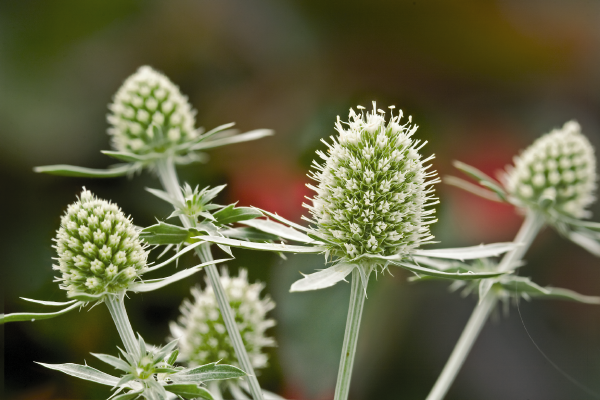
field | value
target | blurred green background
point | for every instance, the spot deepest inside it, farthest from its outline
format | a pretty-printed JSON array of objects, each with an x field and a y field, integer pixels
[{"x": 482, "y": 79}]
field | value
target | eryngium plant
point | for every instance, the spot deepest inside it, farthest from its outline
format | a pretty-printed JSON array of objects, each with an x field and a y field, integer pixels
[
  {"x": 201, "y": 331},
  {"x": 374, "y": 190},
  {"x": 98, "y": 248},
  {"x": 148, "y": 97}
]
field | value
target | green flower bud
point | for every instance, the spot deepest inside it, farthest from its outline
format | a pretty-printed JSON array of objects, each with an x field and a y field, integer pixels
[
  {"x": 145, "y": 98},
  {"x": 558, "y": 171},
  {"x": 201, "y": 331},
  {"x": 98, "y": 247},
  {"x": 373, "y": 189}
]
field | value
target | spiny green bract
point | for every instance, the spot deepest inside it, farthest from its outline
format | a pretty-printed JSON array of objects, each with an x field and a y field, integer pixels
[
  {"x": 98, "y": 247},
  {"x": 373, "y": 190},
  {"x": 149, "y": 97},
  {"x": 201, "y": 331},
  {"x": 559, "y": 167}
]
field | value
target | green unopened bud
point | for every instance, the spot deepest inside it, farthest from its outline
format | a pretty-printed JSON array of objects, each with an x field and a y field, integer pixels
[
  {"x": 201, "y": 331},
  {"x": 149, "y": 98},
  {"x": 558, "y": 171},
  {"x": 98, "y": 247},
  {"x": 373, "y": 189}
]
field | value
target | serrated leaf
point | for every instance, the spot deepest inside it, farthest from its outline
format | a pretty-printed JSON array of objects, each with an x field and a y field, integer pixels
[
  {"x": 114, "y": 361},
  {"x": 71, "y": 170},
  {"x": 83, "y": 372},
  {"x": 283, "y": 248},
  {"x": 242, "y": 137},
  {"x": 277, "y": 229},
  {"x": 208, "y": 372},
  {"x": 189, "y": 391},
  {"x": 324, "y": 278},
  {"x": 231, "y": 214},
  {"x": 15, "y": 317},
  {"x": 163, "y": 233},
  {"x": 468, "y": 253}
]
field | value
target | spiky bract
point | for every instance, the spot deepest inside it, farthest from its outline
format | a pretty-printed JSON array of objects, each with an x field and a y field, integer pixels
[
  {"x": 98, "y": 247},
  {"x": 558, "y": 171},
  {"x": 201, "y": 331},
  {"x": 373, "y": 189},
  {"x": 149, "y": 97}
]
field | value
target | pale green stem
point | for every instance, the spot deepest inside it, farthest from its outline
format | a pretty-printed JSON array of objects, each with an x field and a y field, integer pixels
[
  {"x": 529, "y": 230},
  {"x": 116, "y": 307},
  {"x": 170, "y": 182},
  {"x": 357, "y": 301}
]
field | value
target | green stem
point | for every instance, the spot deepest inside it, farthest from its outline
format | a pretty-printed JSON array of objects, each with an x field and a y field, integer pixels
[
  {"x": 116, "y": 307},
  {"x": 529, "y": 230},
  {"x": 357, "y": 301},
  {"x": 170, "y": 182}
]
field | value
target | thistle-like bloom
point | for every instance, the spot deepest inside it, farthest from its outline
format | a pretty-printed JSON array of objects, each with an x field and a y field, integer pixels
[
  {"x": 201, "y": 330},
  {"x": 374, "y": 188},
  {"x": 148, "y": 97},
  {"x": 559, "y": 170},
  {"x": 98, "y": 248}
]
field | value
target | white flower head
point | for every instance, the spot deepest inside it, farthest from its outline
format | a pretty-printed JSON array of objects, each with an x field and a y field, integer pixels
[
  {"x": 98, "y": 247},
  {"x": 201, "y": 331},
  {"x": 559, "y": 166},
  {"x": 148, "y": 97},
  {"x": 373, "y": 193}
]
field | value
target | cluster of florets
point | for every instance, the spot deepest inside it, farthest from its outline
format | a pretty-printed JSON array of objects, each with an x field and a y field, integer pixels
[
  {"x": 148, "y": 97},
  {"x": 559, "y": 166},
  {"x": 201, "y": 331},
  {"x": 373, "y": 188},
  {"x": 98, "y": 247}
]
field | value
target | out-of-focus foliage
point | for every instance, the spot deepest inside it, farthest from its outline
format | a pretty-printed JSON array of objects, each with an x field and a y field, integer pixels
[{"x": 484, "y": 79}]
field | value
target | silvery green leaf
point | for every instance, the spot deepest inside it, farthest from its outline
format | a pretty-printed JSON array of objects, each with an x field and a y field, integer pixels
[
  {"x": 190, "y": 391},
  {"x": 166, "y": 349},
  {"x": 520, "y": 284},
  {"x": 71, "y": 170},
  {"x": 231, "y": 214},
  {"x": 566, "y": 294},
  {"x": 163, "y": 233},
  {"x": 218, "y": 129},
  {"x": 114, "y": 361},
  {"x": 173, "y": 357},
  {"x": 283, "y": 248},
  {"x": 176, "y": 256},
  {"x": 280, "y": 230},
  {"x": 128, "y": 396},
  {"x": 208, "y": 372},
  {"x": 324, "y": 278},
  {"x": 251, "y": 234},
  {"x": 209, "y": 194},
  {"x": 586, "y": 241},
  {"x": 472, "y": 188},
  {"x": 442, "y": 265},
  {"x": 50, "y": 303},
  {"x": 15, "y": 317},
  {"x": 128, "y": 157},
  {"x": 242, "y": 137},
  {"x": 483, "y": 179},
  {"x": 125, "y": 379},
  {"x": 161, "y": 194},
  {"x": 468, "y": 253},
  {"x": 82, "y": 296},
  {"x": 469, "y": 275},
  {"x": 154, "y": 284},
  {"x": 226, "y": 249},
  {"x": 83, "y": 372},
  {"x": 484, "y": 287},
  {"x": 284, "y": 221},
  {"x": 142, "y": 344}
]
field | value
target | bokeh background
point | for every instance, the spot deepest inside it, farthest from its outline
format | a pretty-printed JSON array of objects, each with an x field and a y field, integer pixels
[{"x": 482, "y": 79}]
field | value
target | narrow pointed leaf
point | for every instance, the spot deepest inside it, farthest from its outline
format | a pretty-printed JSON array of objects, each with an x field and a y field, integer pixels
[
  {"x": 218, "y": 129},
  {"x": 447, "y": 275},
  {"x": 468, "y": 253},
  {"x": 208, "y": 372},
  {"x": 124, "y": 379},
  {"x": 566, "y": 294},
  {"x": 128, "y": 396},
  {"x": 15, "y": 317},
  {"x": 243, "y": 137},
  {"x": 164, "y": 196},
  {"x": 163, "y": 233},
  {"x": 472, "y": 188},
  {"x": 210, "y": 194},
  {"x": 280, "y": 230},
  {"x": 175, "y": 257},
  {"x": 284, "y": 221},
  {"x": 50, "y": 303},
  {"x": 283, "y": 248},
  {"x": 114, "y": 361},
  {"x": 484, "y": 179},
  {"x": 520, "y": 284},
  {"x": 83, "y": 372},
  {"x": 324, "y": 278},
  {"x": 191, "y": 391},
  {"x": 586, "y": 241},
  {"x": 231, "y": 214},
  {"x": 169, "y": 347},
  {"x": 251, "y": 234},
  {"x": 71, "y": 170},
  {"x": 127, "y": 157}
]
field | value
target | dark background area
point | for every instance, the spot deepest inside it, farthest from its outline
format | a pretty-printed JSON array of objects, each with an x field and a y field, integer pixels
[{"x": 481, "y": 79}]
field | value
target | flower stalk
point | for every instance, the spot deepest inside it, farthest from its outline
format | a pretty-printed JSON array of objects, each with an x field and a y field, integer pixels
[
  {"x": 168, "y": 178},
  {"x": 116, "y": 307},
  {"x": 357, "y": 302},
  {"x": 527, "y": 233}
]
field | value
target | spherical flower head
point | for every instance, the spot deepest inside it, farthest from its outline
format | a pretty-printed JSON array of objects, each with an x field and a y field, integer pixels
[
  {"x": 149, "y": 98},
  {"x": 201, "y": 331},
  {"x": 98, "y": 248},
  {"x": 373, "y": 189},
  {"x": 559, "y": 166}
]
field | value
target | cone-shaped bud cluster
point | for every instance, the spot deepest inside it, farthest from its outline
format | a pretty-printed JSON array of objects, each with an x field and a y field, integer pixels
[
  {"x": 558, "y": 169},
  {"x": 373, "y": 189},
  {"x": 98, "y": 247},
  {"x": 201, "y": 331},
  {"x": 149, "y": 97}
]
